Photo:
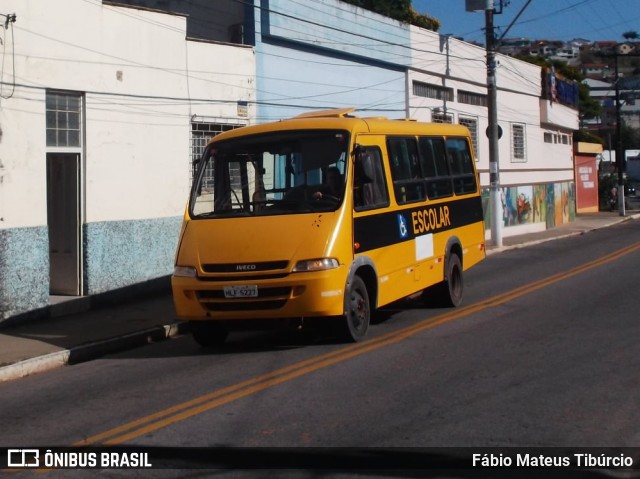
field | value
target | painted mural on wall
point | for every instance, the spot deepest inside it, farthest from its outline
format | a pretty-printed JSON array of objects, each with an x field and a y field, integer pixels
[{"x": 552, "y": 204}]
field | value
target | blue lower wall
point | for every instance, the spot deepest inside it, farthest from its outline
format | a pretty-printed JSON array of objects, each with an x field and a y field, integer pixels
[
  {"x": 116, "y": 254},
  {"x": 24, "y": 270},
  {"x": 121, "y": 253}
]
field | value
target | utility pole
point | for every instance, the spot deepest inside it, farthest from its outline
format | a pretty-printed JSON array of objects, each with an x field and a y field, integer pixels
[
  {"x": 619, "y": 150},
  {"x": 493, "y": 129}
]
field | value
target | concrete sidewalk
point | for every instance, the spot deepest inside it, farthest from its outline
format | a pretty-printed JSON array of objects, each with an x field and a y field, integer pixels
[{"x": 81, "y": 329}]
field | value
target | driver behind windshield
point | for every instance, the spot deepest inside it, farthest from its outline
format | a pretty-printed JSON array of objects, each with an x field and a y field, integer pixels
[{"x": 332, "y": 189}]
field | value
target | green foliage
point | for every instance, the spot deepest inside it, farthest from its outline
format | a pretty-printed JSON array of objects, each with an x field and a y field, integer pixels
[
  {"x": 587, "y": 137},
  {"x": 400, "y": 10},
  {"x": 588, "y": 107},
  {"x": 630, "y": 137},
  {"x": 567, "y": 71},
  {"x": 423, "y": 21},
  {"x": 606, "y": 182}
]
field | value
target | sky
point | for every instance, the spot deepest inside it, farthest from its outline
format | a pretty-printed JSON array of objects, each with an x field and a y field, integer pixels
[{"x": 594, "y": 20}]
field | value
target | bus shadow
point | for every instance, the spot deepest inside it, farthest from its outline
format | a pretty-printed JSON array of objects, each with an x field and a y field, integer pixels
[{"x": 320, "y": 332}]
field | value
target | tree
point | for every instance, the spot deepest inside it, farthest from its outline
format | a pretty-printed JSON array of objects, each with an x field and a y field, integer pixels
[
  {"x": 630, "y": 35},
  {"x": 587, "y": 137},
  {"x": 400, "y": 10}
]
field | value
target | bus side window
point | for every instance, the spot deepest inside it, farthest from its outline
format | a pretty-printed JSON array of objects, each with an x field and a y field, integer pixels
[
  {"x": 464, "y": 179},
  {"x": 435, "y": 166},
  {"x": 408, "y": 184},
  {"x": 369, "y": 186}
]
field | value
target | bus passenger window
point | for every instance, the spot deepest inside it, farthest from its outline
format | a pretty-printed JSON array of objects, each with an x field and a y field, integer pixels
[
  {"x": 464, "y": 179},
  {"x": 369, "y": 186},
  {"x": 435, "y": 166},
  {"x": 408, "y": 184}
]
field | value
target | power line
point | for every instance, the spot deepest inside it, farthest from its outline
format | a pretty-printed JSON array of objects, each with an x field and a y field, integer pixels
[{"x": 343, "y": 88}]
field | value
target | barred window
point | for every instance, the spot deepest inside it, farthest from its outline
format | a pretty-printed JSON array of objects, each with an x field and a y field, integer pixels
[
  {"x": 441, "y": 118},
  {"x": 428, "y": 90},
  {"x": 472, "y": 98},
  {"x": 472, "y": 125},
  {"x": 201, "y": 133},
  {"x": 548, "y": 137},
  {"x": 518, "y": 143}
]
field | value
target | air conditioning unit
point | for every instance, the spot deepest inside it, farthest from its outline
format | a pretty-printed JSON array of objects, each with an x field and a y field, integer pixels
[{"x": 236, "y": 33}]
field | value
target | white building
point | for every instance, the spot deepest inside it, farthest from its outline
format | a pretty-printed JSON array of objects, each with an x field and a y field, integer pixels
[{"x": 97, "y": 107}]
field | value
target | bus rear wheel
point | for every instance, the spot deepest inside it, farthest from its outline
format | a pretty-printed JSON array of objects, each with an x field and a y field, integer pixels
[
  {"x": 208, "y": 334},
  {"x": 450, "y": 291},
  {"x": 355, "y": 323}
]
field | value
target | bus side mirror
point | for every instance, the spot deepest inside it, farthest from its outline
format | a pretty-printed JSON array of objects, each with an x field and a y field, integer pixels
[{"x": 360, "y": 165}]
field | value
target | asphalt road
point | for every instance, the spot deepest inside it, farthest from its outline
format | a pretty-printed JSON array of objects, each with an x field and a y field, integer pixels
[{"x": 543, "y": 352}]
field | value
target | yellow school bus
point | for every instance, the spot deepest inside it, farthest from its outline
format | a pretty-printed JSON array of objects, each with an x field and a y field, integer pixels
[{"x": 326, "y": 215}]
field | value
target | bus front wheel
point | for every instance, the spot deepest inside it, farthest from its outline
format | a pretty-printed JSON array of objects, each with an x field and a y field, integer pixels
[
  {"x": 355, "y": 323},
  {"x": 208, "y": 334}
]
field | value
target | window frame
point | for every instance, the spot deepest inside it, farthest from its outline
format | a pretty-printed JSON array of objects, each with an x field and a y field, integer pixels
[
  {"x": 58, "y": 120},
  {"x": 472, "y": 98},
  {"x": 474, "y": 132},
  {"x": 429, "y": 90}
]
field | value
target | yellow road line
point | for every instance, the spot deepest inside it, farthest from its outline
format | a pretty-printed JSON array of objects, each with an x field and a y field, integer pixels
[{"x": 204, "y": 403}]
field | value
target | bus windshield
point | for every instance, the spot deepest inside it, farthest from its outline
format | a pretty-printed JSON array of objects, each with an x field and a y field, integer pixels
[{"x": 283, "y": 172}]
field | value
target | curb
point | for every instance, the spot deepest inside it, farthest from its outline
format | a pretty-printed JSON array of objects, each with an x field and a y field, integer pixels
[
  {"x": 613, "y": 222},
  {"x": 90, "y": 351},
  {"x": 534, "y": 242}
]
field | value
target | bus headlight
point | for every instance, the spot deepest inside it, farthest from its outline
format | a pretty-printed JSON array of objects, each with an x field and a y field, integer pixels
[
  {"x": 185, "y": 271},
  {"x": 319, "y": 264}
]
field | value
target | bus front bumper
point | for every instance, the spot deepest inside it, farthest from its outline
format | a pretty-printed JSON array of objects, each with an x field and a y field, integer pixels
[{"x": 299, "y": 295}]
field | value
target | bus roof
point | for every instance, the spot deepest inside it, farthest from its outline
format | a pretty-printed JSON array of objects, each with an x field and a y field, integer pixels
[{"x": 340, "y": 119}]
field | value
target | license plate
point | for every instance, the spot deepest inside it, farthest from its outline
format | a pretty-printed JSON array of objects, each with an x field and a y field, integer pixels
[{"x": 241, "y": 291}]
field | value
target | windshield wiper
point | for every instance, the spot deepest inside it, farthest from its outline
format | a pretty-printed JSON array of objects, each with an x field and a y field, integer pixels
[{"x": 223, "y": 213}]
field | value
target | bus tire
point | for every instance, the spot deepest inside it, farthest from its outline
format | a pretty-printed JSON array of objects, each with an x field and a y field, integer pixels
[
  {"x": 355, "y": 323},
  {"x": 454, "y": 284},
  {"x": 449, "y": 292},
  {"x": 208, "y": 334}
]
